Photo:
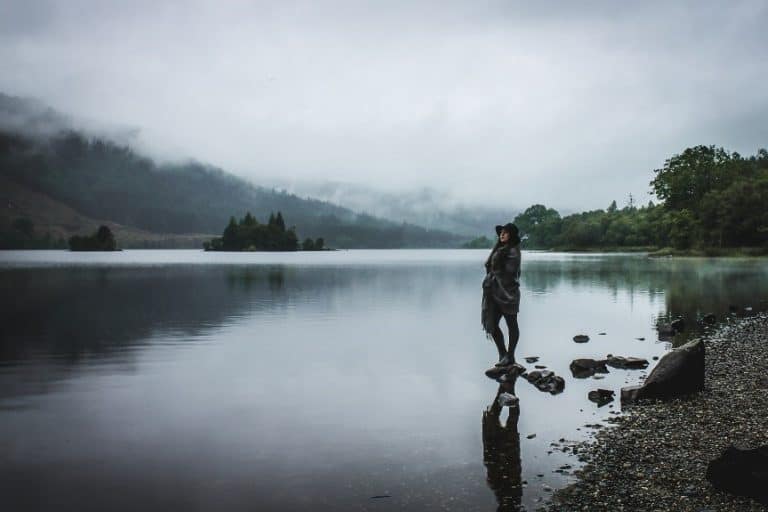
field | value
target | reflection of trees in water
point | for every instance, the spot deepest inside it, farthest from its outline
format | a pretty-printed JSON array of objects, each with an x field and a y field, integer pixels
[
  {"x": 691, "y": 287},
  {"x": 723, "y": 291},
  {"x": 76, "y": 311},
  {"x": 501, "y": 454},
  {"x": 68, "y": 312},
  {"x": 618, "y": 274}
]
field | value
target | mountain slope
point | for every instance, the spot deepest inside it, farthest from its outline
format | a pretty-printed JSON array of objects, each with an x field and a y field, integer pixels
[
  {"x": 104, "y": 180},
  {"x": 55, "y": 221}
]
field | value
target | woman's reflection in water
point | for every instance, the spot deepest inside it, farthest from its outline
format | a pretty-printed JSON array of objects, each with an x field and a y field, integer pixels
[{"x": 501, "y": 452}]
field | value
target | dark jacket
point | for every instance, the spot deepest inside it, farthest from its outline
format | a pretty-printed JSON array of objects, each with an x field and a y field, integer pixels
[{"x": 501, "y": 286}]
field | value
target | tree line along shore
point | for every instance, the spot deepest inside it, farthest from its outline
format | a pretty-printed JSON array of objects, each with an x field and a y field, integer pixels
[{"x": 713, "y": 202}]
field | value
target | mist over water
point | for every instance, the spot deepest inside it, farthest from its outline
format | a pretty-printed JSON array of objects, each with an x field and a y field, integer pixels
[{"x": 157, "y": 380}]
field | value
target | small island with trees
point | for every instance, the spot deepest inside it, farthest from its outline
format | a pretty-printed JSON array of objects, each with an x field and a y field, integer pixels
[
  {"x": 101, "y": 240},
  {"x": 248, "y": 234}
]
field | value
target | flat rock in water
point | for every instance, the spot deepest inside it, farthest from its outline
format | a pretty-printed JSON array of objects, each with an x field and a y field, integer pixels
[
  {"x": 546, "y": 381},
  {"x": 627, "y": 363},
  {"x": 680, "y": 372},
  {"x": 601, "y": 396},
  {"x": 497, "y": 372},
  {"x": 741, "y": 472},
  {"x": 581, "y": 338},
  {"x": 494, "y": 372},
  {"x": 532, "y": 359},
  {"x": 583, "y": 368}
]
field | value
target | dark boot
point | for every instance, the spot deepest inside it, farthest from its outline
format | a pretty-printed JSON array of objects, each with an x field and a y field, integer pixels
[
  {"x": 498, "y": 339},
  {"x": 507, "y": 360}
]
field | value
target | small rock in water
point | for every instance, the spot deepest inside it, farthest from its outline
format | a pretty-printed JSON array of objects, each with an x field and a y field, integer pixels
[
  {"x": 666, "y": 331},
  {"x": 530, "y": 436},
  {"x": 583, "y": 368},
  {"x": 540, "y": 366},
  {"x": 495, "y": 372},
  {"x": 498, "y": 372},
  {"x": 678, "y": 325},
  {"x": 601, "y": 334},
  {"x": 600, "y": 396},
  {"x": 709, "y": 318},
  {"x": 508, "y": 400},
  {"x": 532, "y": 359},
  {"x": 546, "y": 380},
  {"x": 640, "y": 339},
  {"x": 627, "y": 363},
  {"x": 581, "y": 338}
]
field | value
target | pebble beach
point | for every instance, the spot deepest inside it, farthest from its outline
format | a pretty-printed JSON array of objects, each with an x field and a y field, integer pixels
[{"x": 654, "y": 456}]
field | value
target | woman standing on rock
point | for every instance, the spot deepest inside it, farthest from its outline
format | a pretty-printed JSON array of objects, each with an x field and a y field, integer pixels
[{"x": 501, "y": 292}]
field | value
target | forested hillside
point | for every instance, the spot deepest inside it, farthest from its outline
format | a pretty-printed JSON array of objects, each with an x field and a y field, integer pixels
[
  {"x": 710, "y": 199},
  {"x": 105, "y": 180}
]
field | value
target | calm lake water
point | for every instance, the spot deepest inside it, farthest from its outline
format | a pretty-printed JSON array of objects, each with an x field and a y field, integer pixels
[{"x": 349, "y": 380}]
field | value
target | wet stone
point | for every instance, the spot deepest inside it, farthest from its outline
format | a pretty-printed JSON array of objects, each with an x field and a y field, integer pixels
[
  {"x": 600, "y": 396},
  {"x": 583, "y": 368},
  {"x": 627, "y": 363}
]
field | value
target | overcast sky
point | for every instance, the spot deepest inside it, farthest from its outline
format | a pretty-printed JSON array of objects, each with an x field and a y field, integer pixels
[{"x": 567, "y": 103}]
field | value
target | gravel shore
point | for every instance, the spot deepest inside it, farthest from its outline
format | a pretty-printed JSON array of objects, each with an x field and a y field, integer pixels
[{"x": 656, "y": 455}]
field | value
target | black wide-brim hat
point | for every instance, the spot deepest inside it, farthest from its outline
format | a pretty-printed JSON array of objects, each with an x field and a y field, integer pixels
[{"x": 509, "y": 228}]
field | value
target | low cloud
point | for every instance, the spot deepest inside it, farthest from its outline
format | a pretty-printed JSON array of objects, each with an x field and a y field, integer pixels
[{"x": 493, "y": 102}]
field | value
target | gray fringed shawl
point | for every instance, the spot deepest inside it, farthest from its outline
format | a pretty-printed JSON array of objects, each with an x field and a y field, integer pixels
[{"x": 501, "y": 286}]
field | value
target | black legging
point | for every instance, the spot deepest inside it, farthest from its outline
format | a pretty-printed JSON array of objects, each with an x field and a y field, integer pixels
[{"x": 514, "y": 334}]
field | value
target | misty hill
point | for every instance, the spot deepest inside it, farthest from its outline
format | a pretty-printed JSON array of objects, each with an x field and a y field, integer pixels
[
  {"x": 101, "y": 179},
  {"x": 53, "y": 222},
  {"x": 426, "y": 206}
]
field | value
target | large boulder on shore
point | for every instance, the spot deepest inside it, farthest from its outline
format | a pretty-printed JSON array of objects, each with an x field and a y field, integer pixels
[
  {"x": 680, "y": 372},
  {"x": 741, "y": 472}
]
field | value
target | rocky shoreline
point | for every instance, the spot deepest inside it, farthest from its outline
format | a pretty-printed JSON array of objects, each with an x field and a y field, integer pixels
[{"x": 655, "y": 456}]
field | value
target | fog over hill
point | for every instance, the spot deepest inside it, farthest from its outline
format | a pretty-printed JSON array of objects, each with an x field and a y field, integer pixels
[
  {"x": 43, "y": 153},
  {"x": 429, "y": 207}
]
